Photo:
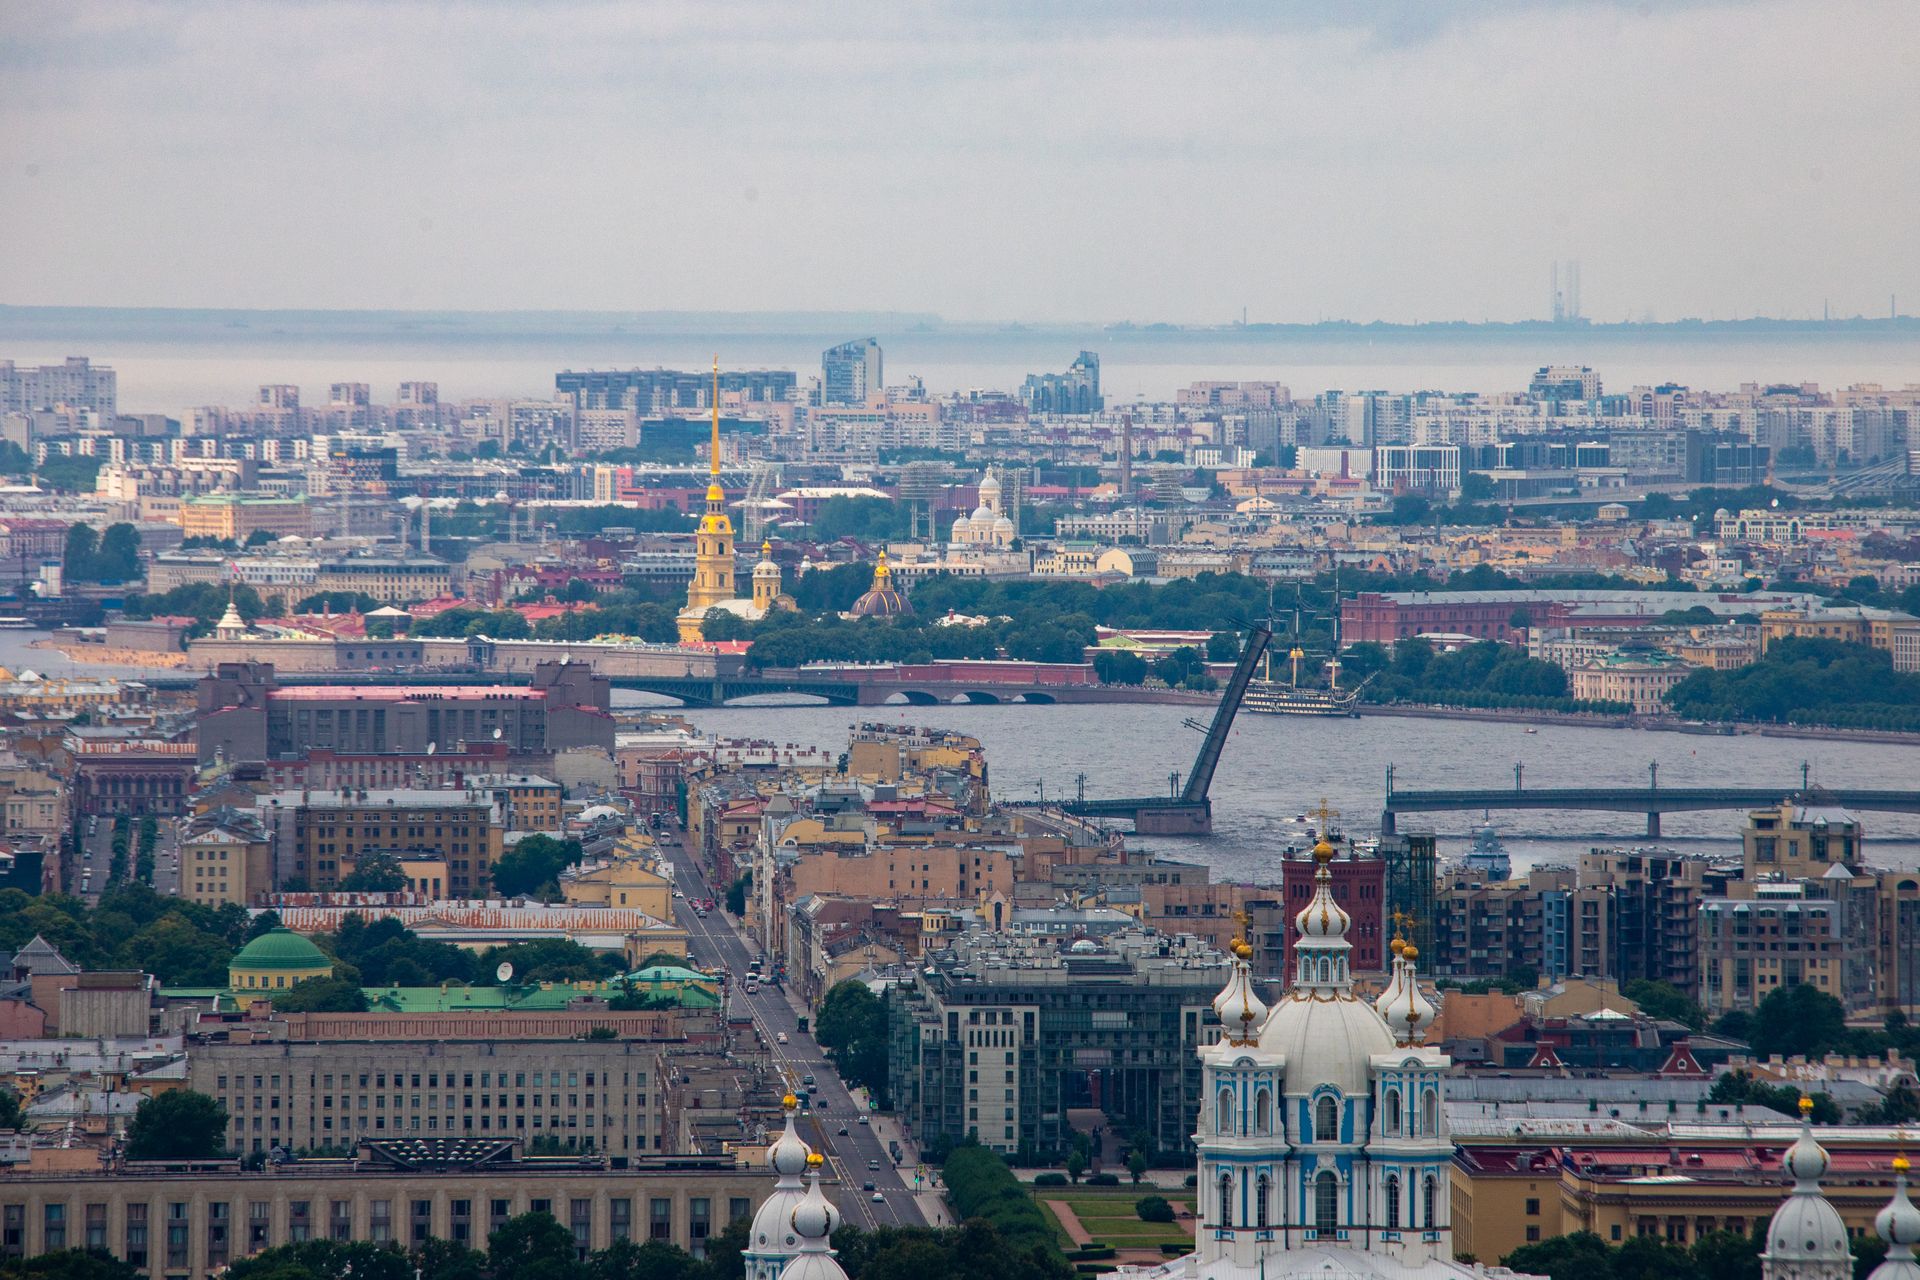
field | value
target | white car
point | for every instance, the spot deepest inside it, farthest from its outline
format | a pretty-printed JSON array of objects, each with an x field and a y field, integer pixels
[
  {"x": 878, "y": 1198},
  {"x": 781, "y": 1038},
  {"x": 863, "y": 1119}
]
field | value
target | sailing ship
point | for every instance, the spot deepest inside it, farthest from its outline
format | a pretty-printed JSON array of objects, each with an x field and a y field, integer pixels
[{"x": 1267, "y": 696}]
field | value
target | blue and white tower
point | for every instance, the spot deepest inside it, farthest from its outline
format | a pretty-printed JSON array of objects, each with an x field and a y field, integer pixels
[
  {"x": 1323, "y": 1140},
  {"x": 772, "y": 1241}
]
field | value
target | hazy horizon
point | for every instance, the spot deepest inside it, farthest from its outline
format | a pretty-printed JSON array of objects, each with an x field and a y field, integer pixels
[{"x": 1080, "y": 163}]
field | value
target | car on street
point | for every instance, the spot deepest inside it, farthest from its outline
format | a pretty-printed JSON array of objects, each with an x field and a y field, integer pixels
[
  {"x": 863, "y": 1120},
  {"x": 878, "y": 1198},
  {"x": 781, "y": 1038},
  {"x": 843, "y": 1131},
  {"x": 866, "y": 1186},
  {"x": 873, "y": 1166}
]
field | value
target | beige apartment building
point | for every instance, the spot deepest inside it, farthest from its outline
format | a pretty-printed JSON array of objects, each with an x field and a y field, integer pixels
[
  {"x": 388, "y": 581},
  {"x": 324, "y": 1083},
  {"x": 527, "y": 802},
  {"x": 225, "y": 856},
  {"x": 195, "y": 1220},
  {"x": 320, "y": 836},
  {"x": 237, "y": 517}
]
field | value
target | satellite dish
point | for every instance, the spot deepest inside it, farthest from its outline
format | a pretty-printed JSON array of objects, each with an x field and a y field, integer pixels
[
  {"x": 432, "y": 747},
  {"x": 498, "y": 734},
  {"x": 505, "y": 972}
]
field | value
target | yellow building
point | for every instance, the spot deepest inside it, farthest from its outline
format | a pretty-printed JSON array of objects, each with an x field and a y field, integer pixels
[
  {"x": 225, "y": 856},
  {"x": 528, "y": 801},
  {"x": 275, "y": 961},
  {"x": 389, "y": 581},
  {"x": 1800, "y": 841},
  {"x": 237, "y": 517},
  {"x": 627, "y": 881}
]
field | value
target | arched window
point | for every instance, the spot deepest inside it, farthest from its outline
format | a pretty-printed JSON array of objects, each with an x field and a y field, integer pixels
[
  {"x": 1263, "y": 1112},
  {"x": 1326, "y": 1119},
  {"x": 1429, "y": 1113},
  {"x": 1393, "y": 1201},
  {"x": 1223, "y": 1112},
  {"x": 1326, "y": 1205},
  {"x": 1264, "y": 1188},
  {"x": 1429, "y": 1197},
  {"x": 1226, "y": 1201},
  {"x": 1393, "y": 1113}
]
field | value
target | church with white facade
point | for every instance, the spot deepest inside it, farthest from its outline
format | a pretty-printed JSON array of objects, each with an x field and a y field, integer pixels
[{"x": 1324, "y": 1150}]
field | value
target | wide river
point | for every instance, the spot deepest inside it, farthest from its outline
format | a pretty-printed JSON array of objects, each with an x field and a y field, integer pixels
[{"x": 1278, "y": 767}]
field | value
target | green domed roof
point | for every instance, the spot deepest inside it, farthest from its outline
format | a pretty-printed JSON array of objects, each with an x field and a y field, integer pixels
[{"x": 280, "y": 949}]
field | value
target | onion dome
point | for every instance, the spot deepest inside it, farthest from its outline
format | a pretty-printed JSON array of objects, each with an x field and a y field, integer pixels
[
  {"x": 1327, "y": 1033},
  {"x": 766, "y": 568},
  {"x": 1323, "y": 917},
  {"x": 1410, "y": 1013},
  {"x": 1240, "y": 1011},
  {"x": 989, "y": 489},
  {"x": 1899, "y": 1225},
  {"x": 788, "y": 1154},
  {"x": 772, "y": 1231},
  {"x": 1806, "y": 1230},
  {"x": 1396, "y": 980},
  {"x": 882, "y": 601},
  {"x": 814, "y": 1221}
]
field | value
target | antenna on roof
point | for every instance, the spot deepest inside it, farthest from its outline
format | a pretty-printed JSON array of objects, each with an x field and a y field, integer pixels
[{"x": 504, "y": 973}]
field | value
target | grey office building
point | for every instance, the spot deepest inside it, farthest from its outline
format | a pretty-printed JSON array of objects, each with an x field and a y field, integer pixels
[{"x": 1000, "y": 1035}]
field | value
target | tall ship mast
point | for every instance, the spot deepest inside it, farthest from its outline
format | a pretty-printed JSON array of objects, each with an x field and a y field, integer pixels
[{"x": 1267, "y": 696}]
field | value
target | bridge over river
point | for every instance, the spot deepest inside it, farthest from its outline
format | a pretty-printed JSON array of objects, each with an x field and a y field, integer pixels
[
  {"x": 1652, "y": 799},
  {"x": 842, "y": 688}
]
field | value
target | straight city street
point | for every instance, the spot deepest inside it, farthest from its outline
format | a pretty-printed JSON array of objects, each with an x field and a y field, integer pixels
[{"x": 856, "y": 1153}]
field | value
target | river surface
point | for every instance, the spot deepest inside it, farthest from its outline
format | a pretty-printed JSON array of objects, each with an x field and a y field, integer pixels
[{"x": 1276, "y": 768}]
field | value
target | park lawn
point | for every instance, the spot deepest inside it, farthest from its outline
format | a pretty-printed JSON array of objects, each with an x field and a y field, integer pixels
[{"x": 1109, "y": 1217}]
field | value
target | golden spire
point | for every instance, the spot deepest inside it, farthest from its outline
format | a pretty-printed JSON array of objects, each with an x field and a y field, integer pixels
[{"x": 713, "y": 463}]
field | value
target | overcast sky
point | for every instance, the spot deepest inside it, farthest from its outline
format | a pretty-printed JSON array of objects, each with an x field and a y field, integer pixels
[{"x": 1051, "y": 161}]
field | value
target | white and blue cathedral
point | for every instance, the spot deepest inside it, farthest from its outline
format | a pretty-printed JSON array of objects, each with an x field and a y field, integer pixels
[{"x": 1323, "y": 1146}]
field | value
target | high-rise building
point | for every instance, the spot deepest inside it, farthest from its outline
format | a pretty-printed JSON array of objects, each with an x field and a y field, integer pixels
[
  {"x": 1075, "y": 391},
  {"x": 75, "y": 384},
  {"x": 851, "y": 372}
]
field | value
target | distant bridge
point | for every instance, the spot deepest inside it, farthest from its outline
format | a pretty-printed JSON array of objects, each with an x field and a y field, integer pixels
[
  {"x": 851, "y": 689},
  {"x": 1652, "y": 799}
]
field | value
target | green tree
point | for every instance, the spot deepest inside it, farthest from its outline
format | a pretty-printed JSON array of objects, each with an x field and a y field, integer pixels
[
  {"x": 1136, "y": 1165},
  {"x": 119, "y": 558},
  {"x": 533, "y": 866},
  {"x": 1223, "y": 646},
  {"x": 720, "y": 624},
  {"x": 380, "y": 873},
  {"x": 82, "y": 554},
  {"x": 1117, "y": 666},
  {"x": 1153, "y": 1209},
  {"x": 69, "y": 1264},
  {"x": 737, "y": 894},
  {"x": 325, "y": 1260},
  {"x": 179, "y": 1125},
  {"x": 1076, "y": 1165},
  {"x": 1798, "y": 1020},
  {"x": 851, "y": 1024},
  {"x": 322, "y": 995},
  {"x": 1664, "y": 1000},
  {"x": 531, "y": 1246},
  {"x": 12, "y": 1116}
]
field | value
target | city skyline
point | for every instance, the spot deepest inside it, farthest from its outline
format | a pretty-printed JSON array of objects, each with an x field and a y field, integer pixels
[{"x": 1107, "y": 164}]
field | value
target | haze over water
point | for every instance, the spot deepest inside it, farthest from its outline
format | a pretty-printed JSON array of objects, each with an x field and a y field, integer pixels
[{"x": 169, "y": 362}]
